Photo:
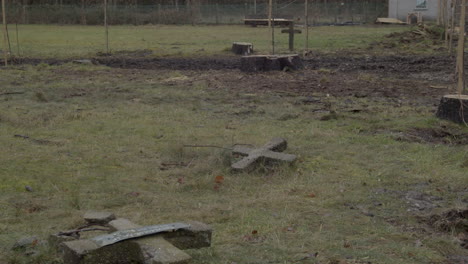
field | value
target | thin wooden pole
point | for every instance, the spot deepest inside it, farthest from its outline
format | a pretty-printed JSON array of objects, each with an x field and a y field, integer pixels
[
  {"x": 17, "y": 40},
  {"x": 107, "y": 26},
  {"x": 439, "y": 14},
  {"x": 217, "y": 14},
  {"x": 446, "y": 24},
  {"x": 461, "y": 49},
  {"x": 271, "y": 24},
  {"x": 5, "y": 47},
  {"x": 270, "y": 10},
  {"x": 306, "y": 18},
  {"x": 452, "y": 25}
]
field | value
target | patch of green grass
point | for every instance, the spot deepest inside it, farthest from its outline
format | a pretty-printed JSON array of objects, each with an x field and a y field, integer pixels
[
  {"x": 105, "y": 135},
  {"x": 53, "y": 41}
]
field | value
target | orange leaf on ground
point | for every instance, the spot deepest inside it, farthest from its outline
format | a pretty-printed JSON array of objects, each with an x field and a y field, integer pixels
[
  {"x": 219, "y": 179},
  {"x": 311, "y": 195}
]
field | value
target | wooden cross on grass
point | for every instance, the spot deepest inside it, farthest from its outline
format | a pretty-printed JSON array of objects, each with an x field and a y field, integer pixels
[
  {"x": 270, "y": 152},
  {"x": 291, "y": 31},
  {"x": 131, "y": 243}
]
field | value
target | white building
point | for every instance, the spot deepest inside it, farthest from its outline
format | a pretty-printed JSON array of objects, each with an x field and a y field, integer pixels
[{"x": 399, "y": 9}]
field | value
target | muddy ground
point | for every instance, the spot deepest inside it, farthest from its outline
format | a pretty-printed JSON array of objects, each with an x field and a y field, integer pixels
[
  {"x": 416, "y": 79},
  {"x": 395, "y": 81}
]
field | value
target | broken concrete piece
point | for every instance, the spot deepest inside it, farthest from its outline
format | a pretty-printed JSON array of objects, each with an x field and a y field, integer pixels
[
  {"x": 87, "y": 252},
  {"x": 268, "y": 153},
  {"x": 157, "y": 249},
  {"x": 56, "y": 239},
  {"x": 141, "y": 247},
  {"x": 100, "y": 218}
]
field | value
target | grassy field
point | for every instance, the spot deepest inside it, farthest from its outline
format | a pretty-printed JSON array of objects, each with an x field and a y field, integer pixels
[
  {"x": 47, "y": 41},
  {"x": 110, "y": 139}
]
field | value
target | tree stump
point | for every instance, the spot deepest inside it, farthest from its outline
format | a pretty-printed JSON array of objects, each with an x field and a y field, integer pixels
[
  {"x": 271, "y": 63},
  {"x": 290, "y": 62},
  {"x": 454, "y": 108},
  {"x": 242, "y": 48}
]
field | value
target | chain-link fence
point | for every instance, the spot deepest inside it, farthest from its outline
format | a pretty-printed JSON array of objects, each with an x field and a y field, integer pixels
[{"x": 320, "y": 12}]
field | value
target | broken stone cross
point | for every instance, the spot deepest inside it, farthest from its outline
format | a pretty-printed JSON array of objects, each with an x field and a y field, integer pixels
[
  {"x": 131, "y": 243},
  {"x": 271, "y": 152}
]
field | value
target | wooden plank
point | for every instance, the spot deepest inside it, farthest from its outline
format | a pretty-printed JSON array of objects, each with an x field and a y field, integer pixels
[
  {"x": 385, "y": 20},
  {"x": 296, "y": 31},
  {"x": 266, "y": 19}
]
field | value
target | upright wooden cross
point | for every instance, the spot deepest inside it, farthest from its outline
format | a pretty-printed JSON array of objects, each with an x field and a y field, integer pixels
[
  {"x": 268, "y": 153},
  {"x": 291, "y": 31},
  {"x": 131, "y": 243}
]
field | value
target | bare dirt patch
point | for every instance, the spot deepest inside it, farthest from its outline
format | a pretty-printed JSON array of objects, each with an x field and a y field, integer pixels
[{"x": 419, "y": 80}]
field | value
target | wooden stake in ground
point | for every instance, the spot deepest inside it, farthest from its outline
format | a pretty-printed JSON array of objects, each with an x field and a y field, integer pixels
[
  {"x": 107, "y": 26},
  {"x": 5, "y": 34},
  {"x": 306, "y": 18},
  {"x": 452, "y": 24},
  {"x": 271, "y": 25},
  {"x": 461, "y": 49}
]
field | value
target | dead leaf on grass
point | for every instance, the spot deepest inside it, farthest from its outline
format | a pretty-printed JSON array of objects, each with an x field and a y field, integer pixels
[{"x": 219, "y": 179}]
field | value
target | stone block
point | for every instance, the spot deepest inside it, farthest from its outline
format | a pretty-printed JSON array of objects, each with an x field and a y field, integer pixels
[{"x": 99, "y": 218}]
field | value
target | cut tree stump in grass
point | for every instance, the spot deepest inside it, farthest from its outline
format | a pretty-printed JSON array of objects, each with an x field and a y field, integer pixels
[
  {"x": 271, "y": 63},
  {"x": 454, "y": 108},
  {"x": 290, "y": 62},
  {"x": 242, "y": 48}
]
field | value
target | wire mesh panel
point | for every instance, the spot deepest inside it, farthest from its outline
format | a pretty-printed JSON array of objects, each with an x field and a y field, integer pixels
[{"x": 193, "y": 12}]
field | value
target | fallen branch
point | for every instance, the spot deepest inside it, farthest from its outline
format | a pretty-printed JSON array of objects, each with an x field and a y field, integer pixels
[
  {"x": 21, "y": 136},
  {"x": 10, "y": 93},
  {"x": 37, "y": 141}
]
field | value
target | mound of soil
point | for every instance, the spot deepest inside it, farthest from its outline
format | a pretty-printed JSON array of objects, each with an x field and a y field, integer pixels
[
  {"x": 422, "y": 32},
  {"x": 439, "y": 135},
  {"x": 422, "y": 35},
  {"x": 452, "y": 221}
]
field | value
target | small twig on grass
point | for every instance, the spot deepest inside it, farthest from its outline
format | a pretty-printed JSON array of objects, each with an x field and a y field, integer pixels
[
  {"x": 77, "y": 231},
  {"x": 37, "y": 141},
  {"x": 21, "y": 136},
  {"x": 205, "y": 146},
  {"x": 282, "y": 261},
  {"x": 10, "y": 93}
]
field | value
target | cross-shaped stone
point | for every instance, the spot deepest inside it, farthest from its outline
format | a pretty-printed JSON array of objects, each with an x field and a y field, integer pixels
[
  {"x": 268, "y": 153},
  {"x": 131, "y": 243}
]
